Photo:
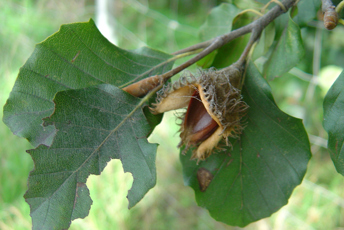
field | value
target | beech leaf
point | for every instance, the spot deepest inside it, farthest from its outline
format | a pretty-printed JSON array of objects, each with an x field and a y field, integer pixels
[
  {"x": 77, "y": 56},
  {"x": 265, "y": 41},
  {"x": 256, "y": 177},
  {"x": 219, "y": 21},
  {"x": 95, "y": 125},
  {"x": 308, "y": 11},
  {"x": 287, "y": 53},
  {"x": 215, "y": 25},
  {"x": 334, "y": 122}
]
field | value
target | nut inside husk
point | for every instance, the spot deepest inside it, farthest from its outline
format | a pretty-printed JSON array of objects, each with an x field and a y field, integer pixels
[{"x": 214, "y": 108}]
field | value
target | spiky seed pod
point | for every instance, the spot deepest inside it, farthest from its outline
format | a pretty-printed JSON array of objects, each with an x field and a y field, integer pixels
[
  {"x": 215, "y": 108},
  {"x": 176, "y": 96}
]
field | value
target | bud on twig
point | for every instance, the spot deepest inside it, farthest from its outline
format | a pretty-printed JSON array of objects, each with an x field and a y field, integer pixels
[{"x": 330, "y": 15}]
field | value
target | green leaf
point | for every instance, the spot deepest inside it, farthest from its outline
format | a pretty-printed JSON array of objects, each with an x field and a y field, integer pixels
[
  {"x": 265, "y": 41},
  {"x": 287, "y": 53},
  {"x": 256, "y": 177},
  {"x": 232, "y": 51},
  {"x": 207, "y": 61},
  {"x": 334, "y": 122},
  {"x": 95, "y": 125},
  {"x": 307, "y": 11},
  {"x": 280, "y": 22},
  {"x": 77, "y": 56},
  {"x": 248, "y": 4},
  {"x": 215, "y": 25},
  {"x": 219, "y": 21}
]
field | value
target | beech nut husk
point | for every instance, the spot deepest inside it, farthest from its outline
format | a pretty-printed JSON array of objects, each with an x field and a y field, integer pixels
[{"x": 214, "y": 108}]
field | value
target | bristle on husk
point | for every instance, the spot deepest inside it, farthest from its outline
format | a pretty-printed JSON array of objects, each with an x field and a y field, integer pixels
[{"x": 215, "y": 108}]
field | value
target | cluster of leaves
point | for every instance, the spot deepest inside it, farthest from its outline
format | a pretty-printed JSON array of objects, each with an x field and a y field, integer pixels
[{"x": 67, "y": 101}]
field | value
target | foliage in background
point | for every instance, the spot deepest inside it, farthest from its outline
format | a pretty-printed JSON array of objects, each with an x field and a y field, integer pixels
[{"x": 311, "y": 211}]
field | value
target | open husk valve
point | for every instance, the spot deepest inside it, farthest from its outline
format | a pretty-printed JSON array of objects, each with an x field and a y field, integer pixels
[{"x": 214, "y": 108}]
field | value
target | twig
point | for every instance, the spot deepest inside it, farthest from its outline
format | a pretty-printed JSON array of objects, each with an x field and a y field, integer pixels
[
  {"x": 131, "y": 83},
  {"x": 254, "y": 37},
  {"x": 201, "y": 45},
  {"x": 255, "y": 27},
  {"x": 265, "y": 20},
  {"x": 217, "y": 43},
  {"x": 330, "y": 14},
  {"x": 327, "y": 4}
]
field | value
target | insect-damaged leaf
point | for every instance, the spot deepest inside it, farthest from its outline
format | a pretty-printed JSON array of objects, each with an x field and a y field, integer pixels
[
  {"x": 257, "y": 177},
  {"x": 334, "y": 122},
  {"x": 77, "y": 56},
  {"x": 94, "y": 125}
]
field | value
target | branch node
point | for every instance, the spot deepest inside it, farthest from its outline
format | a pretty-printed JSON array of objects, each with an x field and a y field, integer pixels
[{"x": 330, "y": 14}]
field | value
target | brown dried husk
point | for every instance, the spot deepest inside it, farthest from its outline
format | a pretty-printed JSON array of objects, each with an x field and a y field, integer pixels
[
  {"x": 221, "y": 91},
  {"x": 221, "y": 97}
]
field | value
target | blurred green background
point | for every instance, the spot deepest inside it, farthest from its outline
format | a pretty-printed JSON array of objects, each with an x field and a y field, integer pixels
[{"x": 168, "y": 25}]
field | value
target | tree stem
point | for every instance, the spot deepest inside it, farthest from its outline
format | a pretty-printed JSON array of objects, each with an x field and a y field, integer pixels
[{"x": 255, "y": 28}]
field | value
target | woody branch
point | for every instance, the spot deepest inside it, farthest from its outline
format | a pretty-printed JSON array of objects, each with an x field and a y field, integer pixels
[{"x": 255, "y": 28}]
